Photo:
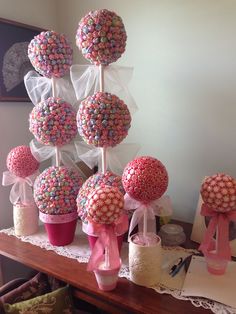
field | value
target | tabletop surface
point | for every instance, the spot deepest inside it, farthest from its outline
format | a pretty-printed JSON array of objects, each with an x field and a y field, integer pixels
[{"x": 126, "y": 298}]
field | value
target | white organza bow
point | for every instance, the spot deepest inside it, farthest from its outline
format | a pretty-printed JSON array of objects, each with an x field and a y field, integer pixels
[
  {"x": 160, "y": 207},
  {"x": 85, "y": 79},
  {"x": 117, "y": 157},
  {"x": 39, "y": 88},
  {"x": 22, "y": 187},
  {"x": 68, "y": 154}
]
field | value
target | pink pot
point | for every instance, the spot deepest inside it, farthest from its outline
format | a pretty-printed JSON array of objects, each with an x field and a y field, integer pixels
[
  {"x": 107, "y": 278},
  {"x": 215, "y": 265},
  {"x": 60, "y": 228}
]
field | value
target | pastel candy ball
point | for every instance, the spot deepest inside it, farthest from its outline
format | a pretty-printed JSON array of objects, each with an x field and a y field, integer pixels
[
  {"x": 50, "y": 54},
  {"x": 97, "y": 180},
  {"x": 56, "y": 189},
  {"x": 21, "y": 162},
  {"x": 53, "y": 122},
  {"x": 101, "y": 37},
  {"x": 219, "y": 192},
  {"x": 105, "y": 205},
  {"x": 145, "y": 179},
  {"x": 103, "y": 120}
]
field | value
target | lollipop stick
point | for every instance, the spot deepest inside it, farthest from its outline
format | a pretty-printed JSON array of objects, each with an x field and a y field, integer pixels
[
  {"x": 107, "y": 261},
  {"x": 24, "y": 197},
  {"x": 101, "y": 77},
  {"x": 104, "y": 159},
  {"x": 53, "y": 87},
  {"x": 145, "y": 225},
  {"x": 104, "y": 153},
  {"x": 57, "y": 156}
]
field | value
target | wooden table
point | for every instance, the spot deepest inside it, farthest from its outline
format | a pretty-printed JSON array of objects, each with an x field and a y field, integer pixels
[{"x": 126, "y": 298}]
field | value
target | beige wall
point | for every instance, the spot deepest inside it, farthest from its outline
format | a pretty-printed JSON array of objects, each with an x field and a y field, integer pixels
[{"x": 183, "y": 54}]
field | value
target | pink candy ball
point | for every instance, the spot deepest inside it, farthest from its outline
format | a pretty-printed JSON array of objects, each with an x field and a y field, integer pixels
[
  {"x": 53, "y": 122},
  {"x": 56, "y": 189},
  {"x": 103, "y": 120},
  {"x": 21, "y": 162},
  {"x": 50, "y": 54},
  {"x": 219, "y": 192},
  {"x": 145, "y": 179},
  {"x": 101, "y": 37},
  {"x": 105, "y": 205},
  {"x": 97, "y": 180}
]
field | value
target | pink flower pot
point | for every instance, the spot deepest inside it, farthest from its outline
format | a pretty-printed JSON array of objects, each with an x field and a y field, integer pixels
[
  {"x": 107, "y": 278},
  {"x": 60, "y": 228},
  {"x": 215, "y": 265}
]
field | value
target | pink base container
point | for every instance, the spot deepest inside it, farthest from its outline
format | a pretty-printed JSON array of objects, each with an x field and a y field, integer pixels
[
  {"x": 60, "y": 228},
  {"x": 215, "y": 266},
  {"x": 107, "y": 278}
]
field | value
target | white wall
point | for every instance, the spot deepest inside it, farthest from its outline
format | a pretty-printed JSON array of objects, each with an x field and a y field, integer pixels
[
  {"x": 183, "y": 54},
  {"x": 14, "y": 116}
]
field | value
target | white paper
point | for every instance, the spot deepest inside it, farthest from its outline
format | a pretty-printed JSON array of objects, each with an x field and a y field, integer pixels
[{"x": 200, "y": 283}]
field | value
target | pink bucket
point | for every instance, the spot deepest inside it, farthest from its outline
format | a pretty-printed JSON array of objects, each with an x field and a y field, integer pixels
[{"x": 60, "y": 228}]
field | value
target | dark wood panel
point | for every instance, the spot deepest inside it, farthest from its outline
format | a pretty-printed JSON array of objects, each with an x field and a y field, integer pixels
[{"x": 126, "y": 298}]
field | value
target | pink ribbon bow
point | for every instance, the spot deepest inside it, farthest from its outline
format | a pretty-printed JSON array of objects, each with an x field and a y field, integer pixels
[
  {"x": 160, "y": 207},
  {"x": 106, "y": 239},
  {"x": 218, "y": 221}
]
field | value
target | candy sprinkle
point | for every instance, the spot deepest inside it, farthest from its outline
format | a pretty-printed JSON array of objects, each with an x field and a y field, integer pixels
[
  {"x": 103, "y": 120},
  {"x": 105, "y": 205},
  {"x": 56, "y": 189},
  {"x": 53, "y": 122},
  {"x": 21, "y": 162},
  {"x": 97, "y": 180},
  {"x": 50, "y": 54},
  {"x": 145, "y": 179},
  {"x": 101, "y": 37}
]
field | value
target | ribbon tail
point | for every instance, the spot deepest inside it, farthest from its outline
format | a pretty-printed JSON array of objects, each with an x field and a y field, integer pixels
[
  {"x": 137, "y": 215},
  {"x": 113, "y": 251},
  {"x": 15, "y": 192},
  {"x": 97, "y": 255},
  {"x": 208, "y": 244},
  {"x": 223, "y": 248}
]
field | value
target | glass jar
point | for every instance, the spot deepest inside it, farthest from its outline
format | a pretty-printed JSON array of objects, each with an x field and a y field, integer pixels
[{"x": 172, "y": 235}]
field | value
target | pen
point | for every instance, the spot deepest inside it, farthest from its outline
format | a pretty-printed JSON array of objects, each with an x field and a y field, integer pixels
[{"x": 175, "y": 266}]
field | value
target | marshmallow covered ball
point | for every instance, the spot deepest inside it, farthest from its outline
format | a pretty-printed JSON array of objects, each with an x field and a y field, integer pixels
[
  {"x": 105, "y": 205},
  {"x": 21, "y": 162},
  {"x": 219, "y": 192},
  {"x": 145, "y": 179},
  {"x": 101, "y": 37},
  {"x": 56, "y": 189},
  {"x": 53, "y": 122},
  {"x": 95, "y": 181},
  {"x": 103, "y": 120},
  {"x": 50, "y": 54}
]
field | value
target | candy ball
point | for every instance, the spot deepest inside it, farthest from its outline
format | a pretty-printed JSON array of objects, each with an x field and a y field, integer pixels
[
  {"x": 101, "y": 37},
  {"x": 219, "y": 192},
  {"x": 145, "y": 179},
  {"x": 21, "y": 162},
  {"x": 97, "y": 180},
  {"x": 105, "y": 205},
  {"x": 50, "y": 54},
  {"x": 53, "y": 122},
  {"x": 56, "y": 189},
  {"x": 103, "y": 120}
]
